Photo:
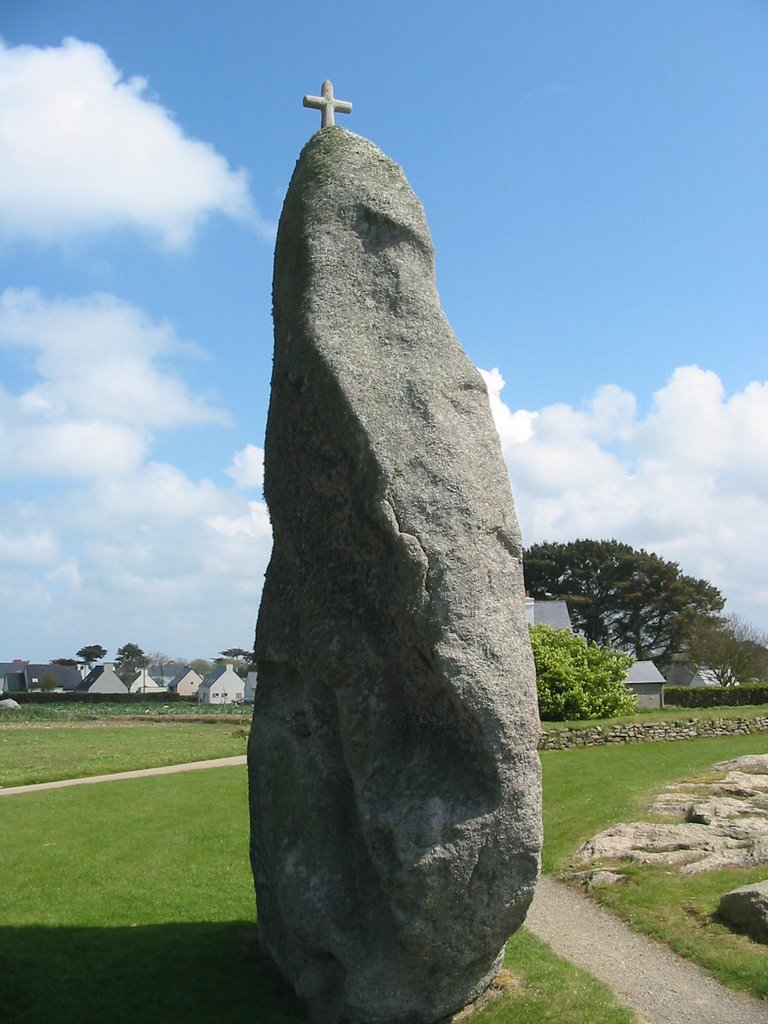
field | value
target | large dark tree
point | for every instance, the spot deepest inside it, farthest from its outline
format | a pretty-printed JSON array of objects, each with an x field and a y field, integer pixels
[
  {"x": 91, "y": 653},
  {"x": 129, "y": 659},
  {"x": 633, "y": 600}
]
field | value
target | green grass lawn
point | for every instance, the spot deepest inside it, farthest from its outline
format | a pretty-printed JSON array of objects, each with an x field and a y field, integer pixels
[
  {"x": 133, "y": 901},
  {"x": 46, "y": 752},
  {"x": 586, "y": 790},
  {"x": 136, "y": 897},
  {"x": 668, "y": 714}
]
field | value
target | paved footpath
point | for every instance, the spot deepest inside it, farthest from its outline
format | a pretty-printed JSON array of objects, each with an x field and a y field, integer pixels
[
  {"x": 660, "y": 986},
  {"x": 170, "y": 769}
]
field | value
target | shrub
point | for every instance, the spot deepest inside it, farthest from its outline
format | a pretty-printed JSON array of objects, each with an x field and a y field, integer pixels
[
  {"x": 578, "y": 680},
  {"x": 716, "y": 696}
]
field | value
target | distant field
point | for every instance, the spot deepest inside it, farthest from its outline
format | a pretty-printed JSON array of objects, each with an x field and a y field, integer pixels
[{"x": 77, "y": 711}]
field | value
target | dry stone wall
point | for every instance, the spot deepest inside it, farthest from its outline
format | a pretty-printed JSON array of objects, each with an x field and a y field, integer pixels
[{"x": 650, "y": 732}]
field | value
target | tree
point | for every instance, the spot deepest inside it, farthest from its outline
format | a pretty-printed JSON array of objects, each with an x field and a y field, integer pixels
[
  {"x": 239, "y": 657},
  {"x": 235, "y": 654},
  {"x": 158, "y": 658},
  {"x": 201, "y": 666},
  {"x": 91, "y": 653},
  {"x": 632, "y": 600},
  {"x": 577, "y": 679},
  {"x": 66, "y": 662},
  {"x": 129, "y": 659},
  {"x": 49, "y": 681},
  {"x": 732, "y": 649}
]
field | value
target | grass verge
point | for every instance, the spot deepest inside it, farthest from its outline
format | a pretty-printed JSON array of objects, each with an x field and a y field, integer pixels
[
  {"x": 668, "y": 714},
  {"x": 588, "y": 789},
  {"x": 45, "y": 752},
  {"x": 679, "y": 910}
]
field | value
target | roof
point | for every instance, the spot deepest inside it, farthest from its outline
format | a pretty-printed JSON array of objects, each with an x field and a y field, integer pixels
[
  {"x": 216, "y": 674},
  {"x": 12, "y": 682},
  {"x": 644, "y": 672},
  {"x": 66, "y": 676},
  {"x": 167, "y": 672},
  {"x": 548, "y": 613}
]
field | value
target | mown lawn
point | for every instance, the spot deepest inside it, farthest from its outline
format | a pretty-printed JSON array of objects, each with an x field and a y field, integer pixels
[
  {"x": 586, "y": 790},
  {"x": 45, "y": 752},
  {"x": 124, "y": 890},
  {"x": 133, "y": 901}
]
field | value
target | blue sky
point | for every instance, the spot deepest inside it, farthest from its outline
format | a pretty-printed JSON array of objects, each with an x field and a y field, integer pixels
[{"x": 593, "y": 175}]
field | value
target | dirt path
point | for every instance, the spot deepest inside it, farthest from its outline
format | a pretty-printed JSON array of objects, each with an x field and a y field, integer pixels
[
  {"x": 647, "y": 976},
  {"x": 171, "y": 769}
]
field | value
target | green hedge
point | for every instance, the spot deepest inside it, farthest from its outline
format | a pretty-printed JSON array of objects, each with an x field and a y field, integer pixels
[
  {"x": 716, "y": 696},
  {"x": 73, "y": 697}
]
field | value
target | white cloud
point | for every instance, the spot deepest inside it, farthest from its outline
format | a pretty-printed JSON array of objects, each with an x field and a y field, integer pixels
[
  {"x": 113, "y": 545},
  {"x": 84, "y": 150},
  {"x": 152, "y": 557},
  {"x": 688, "y": 480},
  {"x": 247, "y": 467},
  {"x": 38, "y": 548},
  {"x": 101, "y": 386}
]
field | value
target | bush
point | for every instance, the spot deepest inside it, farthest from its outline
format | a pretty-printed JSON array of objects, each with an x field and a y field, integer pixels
[
  {"x": 579, "y": 680},
  {"x": 716, "y": 696}
]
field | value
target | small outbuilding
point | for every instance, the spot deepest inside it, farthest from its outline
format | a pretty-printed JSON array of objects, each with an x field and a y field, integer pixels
[{"x": 647, "y": 683}]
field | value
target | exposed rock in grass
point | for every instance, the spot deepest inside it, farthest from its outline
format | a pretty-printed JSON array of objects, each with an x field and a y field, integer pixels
[
  {"x": 747, "y": 909},
  {"x": 724, "y": 824}
]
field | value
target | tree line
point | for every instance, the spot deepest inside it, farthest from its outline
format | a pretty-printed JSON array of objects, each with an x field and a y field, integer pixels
[
  {"x": 130, "y": 659},
  {"x": 637, "y": 602}
]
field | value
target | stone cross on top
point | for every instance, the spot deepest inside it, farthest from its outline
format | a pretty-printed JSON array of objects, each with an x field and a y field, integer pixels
[{"x": 328, "y": 104}]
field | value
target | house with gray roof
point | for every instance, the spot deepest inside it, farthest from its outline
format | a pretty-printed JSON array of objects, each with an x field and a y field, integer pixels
[
  {"x": 680, "y": 674},
  {"x": 186, "y": 682},
  {"x": 143, "y": 682},
  {"x": 547, "y": 613},
  {"x": 647, "y": 683},
  {"x": 222, "y": 686},
  {"x": 102, "y": 679},
  {"x": 21, "y": 677}
]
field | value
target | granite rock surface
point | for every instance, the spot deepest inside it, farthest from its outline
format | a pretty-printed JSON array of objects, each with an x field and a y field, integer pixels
[
  {"x": 394, "y": 778},
  {"x": 747, "y": 909}
]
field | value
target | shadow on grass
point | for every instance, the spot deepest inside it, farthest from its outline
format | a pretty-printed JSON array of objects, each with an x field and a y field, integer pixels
[{"x": 153, "y": 974}]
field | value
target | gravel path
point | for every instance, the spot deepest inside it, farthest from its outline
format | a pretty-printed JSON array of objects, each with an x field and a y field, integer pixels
[{"x": 659, "y": 985}]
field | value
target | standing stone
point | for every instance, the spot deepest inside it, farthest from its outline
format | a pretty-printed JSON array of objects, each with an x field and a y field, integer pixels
[{"x": 394, "y": 779}]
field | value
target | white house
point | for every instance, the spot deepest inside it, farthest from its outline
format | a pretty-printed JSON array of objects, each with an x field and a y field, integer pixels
[
  {"x": 221, "y": 686},
  {"x": 145, "y": 683}
]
